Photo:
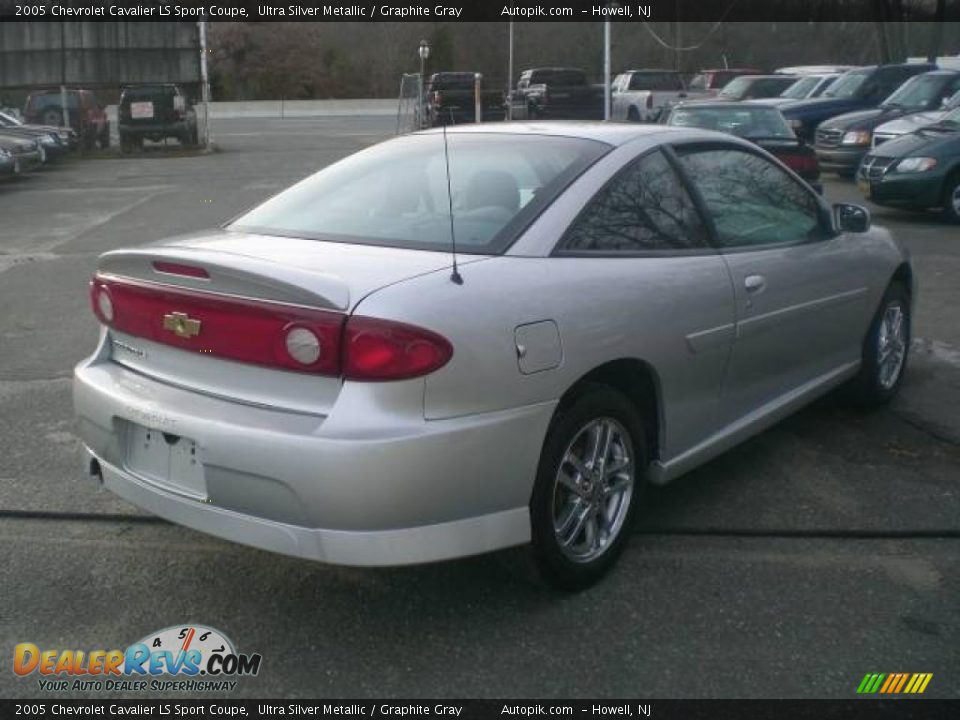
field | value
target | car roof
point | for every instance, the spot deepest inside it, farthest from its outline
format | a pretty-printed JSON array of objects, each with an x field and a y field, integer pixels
[
  {"x": 651, "y": 70},
  {"x": 732, "y": 105},
  {"x": 610, "y": 133},
  {"x": 774, "y": 76},
  {"x": 48, "y": 91},
  {"x": 720, "y": 70}
]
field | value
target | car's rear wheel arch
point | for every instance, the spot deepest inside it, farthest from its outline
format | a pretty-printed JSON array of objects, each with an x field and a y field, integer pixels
[{"x": 636, "y": 380}]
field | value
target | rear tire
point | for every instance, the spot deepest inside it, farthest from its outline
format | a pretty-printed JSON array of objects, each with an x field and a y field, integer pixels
[
  {"x": 591, "y": 474},
  {"x": 885, "y": 350},
  {"x": 633, "y": 115}
]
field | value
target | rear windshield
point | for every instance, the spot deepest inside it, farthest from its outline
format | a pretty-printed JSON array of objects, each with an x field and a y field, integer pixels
[
  {"x": 655, "y": 81},
  {"x": 756, "y": 122},
  {"x": 395, "y": 193},
  {"x": 147, "y": 92},
  {"x": 52, "y": 99},
  {"x": 458, "y": 81},
  {"x": 558, "y": 77}
]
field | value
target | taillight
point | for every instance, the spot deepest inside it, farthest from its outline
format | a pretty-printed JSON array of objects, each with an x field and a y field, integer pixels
[
  {"x": 272, "y": 334},
  {"x": 376, "y": 349},
  {"x": 437, "y": 98},
  {"x": 801, "y": 163},
  {"x": 650, "y": 101},
  {"x": 289, "y": 337}
]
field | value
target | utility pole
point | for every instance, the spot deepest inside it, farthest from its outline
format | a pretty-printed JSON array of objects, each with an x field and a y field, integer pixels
[
  {"x": 64, "y": 106},
  {"x": 204, "y": 84},
  {"x": 510, "y": 73},
  {"x": 606, "y": 69}
]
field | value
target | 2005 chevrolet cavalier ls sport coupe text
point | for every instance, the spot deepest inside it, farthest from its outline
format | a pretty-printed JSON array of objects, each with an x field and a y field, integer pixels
[{"x": 314, "y": 379}]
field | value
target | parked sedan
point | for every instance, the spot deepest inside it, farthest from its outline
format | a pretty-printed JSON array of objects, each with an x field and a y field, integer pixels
[
  {"x": 842, "y": 141},
  {"x": 918, "y": 171},
  {"x": 327, "y": 377},
  {"x": 67, "y": 137},
  {"x": 763, "y": 126},
  {"x": 26, "y": 152}
]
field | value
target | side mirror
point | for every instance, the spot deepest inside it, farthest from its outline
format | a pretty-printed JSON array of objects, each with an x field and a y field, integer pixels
[{"x": 851, "y": 218}]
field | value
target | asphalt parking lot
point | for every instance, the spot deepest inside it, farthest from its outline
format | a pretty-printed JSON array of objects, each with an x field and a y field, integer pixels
[{"x": 826, "y": 548}]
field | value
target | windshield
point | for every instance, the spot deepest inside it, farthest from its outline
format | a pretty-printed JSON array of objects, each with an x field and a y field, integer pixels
[
  {"x": 801, "y": 88},
  {"x": 748, "y": 122},
  {"x": 847, "y": 85},
  {"x": 395, "y": 193},
  {"x": 918, "y": 93},
  {"x": 736, "y": 88},
  {"x": 952, "y": 119},
  {"x": 699, "y": 82}
]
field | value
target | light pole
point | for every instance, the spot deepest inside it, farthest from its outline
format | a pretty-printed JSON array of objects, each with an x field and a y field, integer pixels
[
  {"x": 510, "y": 75},
  {"x": 424, "y": 52}
]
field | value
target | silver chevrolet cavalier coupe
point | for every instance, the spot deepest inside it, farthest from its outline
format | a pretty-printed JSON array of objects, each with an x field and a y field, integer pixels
[{"x": 328, "y": 377}]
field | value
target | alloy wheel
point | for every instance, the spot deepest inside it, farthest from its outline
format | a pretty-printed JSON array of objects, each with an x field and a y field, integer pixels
[
  {"x": 592, "y": 489},
  {"x": 891, "y": 345}
]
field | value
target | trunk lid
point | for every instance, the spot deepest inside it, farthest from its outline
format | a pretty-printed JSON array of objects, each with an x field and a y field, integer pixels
[{"x": 304, "y": 276}]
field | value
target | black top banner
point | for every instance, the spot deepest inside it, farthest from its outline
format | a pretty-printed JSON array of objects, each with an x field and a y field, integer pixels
[
  {"x": 485, "y": 709},
  {"x": 481, "y": 10}
]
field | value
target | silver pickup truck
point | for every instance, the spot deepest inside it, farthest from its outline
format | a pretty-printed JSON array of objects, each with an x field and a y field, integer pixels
[{"x": 641, "y": 95}]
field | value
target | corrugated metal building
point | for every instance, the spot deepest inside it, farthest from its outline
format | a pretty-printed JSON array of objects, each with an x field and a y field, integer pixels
[{"x": 97, "y": 54}]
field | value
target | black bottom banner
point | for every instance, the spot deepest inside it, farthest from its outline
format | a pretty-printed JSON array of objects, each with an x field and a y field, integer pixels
[{"x": 470, "y": 709}]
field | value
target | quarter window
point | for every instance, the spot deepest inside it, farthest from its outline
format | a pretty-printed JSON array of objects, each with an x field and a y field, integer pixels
[
  {"x": 644, "y": 208},
  {"x": 751, "y": 201}
]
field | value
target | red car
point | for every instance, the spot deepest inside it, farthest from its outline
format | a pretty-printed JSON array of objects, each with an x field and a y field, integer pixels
[{"x": 87, "y": 117}]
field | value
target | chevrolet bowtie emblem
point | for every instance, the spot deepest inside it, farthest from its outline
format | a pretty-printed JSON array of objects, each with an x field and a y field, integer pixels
[{"x": 181, "y": 324}]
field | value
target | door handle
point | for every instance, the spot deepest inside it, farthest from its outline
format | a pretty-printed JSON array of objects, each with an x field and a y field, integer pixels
[{"x": 754, "y": 283}]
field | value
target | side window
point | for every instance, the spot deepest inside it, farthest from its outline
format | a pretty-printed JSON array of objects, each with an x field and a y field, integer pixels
[
  {"x": 752, "y": 201},
  {"x": 645, "y": 207}
]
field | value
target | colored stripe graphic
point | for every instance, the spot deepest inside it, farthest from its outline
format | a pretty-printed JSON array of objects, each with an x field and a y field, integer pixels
[
  {"x": 891, "y": 681},
  {"x": 894, "y": 683}
]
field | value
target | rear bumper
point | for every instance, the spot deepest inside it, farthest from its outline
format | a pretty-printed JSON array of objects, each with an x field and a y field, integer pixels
[
  {"x": 306, "y": 486},
  {"x": 155, "y": 129}
]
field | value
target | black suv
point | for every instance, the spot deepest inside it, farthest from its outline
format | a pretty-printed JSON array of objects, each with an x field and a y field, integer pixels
[{"x": 155, "y": 112}]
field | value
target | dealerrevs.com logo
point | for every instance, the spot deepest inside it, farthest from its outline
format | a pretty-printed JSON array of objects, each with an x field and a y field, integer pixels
[{"x": 190, "y": 658}]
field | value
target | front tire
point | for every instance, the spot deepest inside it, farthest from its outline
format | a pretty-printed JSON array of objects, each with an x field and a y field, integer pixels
[
  {"x": 951, "y": 199},
  {"x": 591, "y": 474},
  {"x": 885, "y": 350}
]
